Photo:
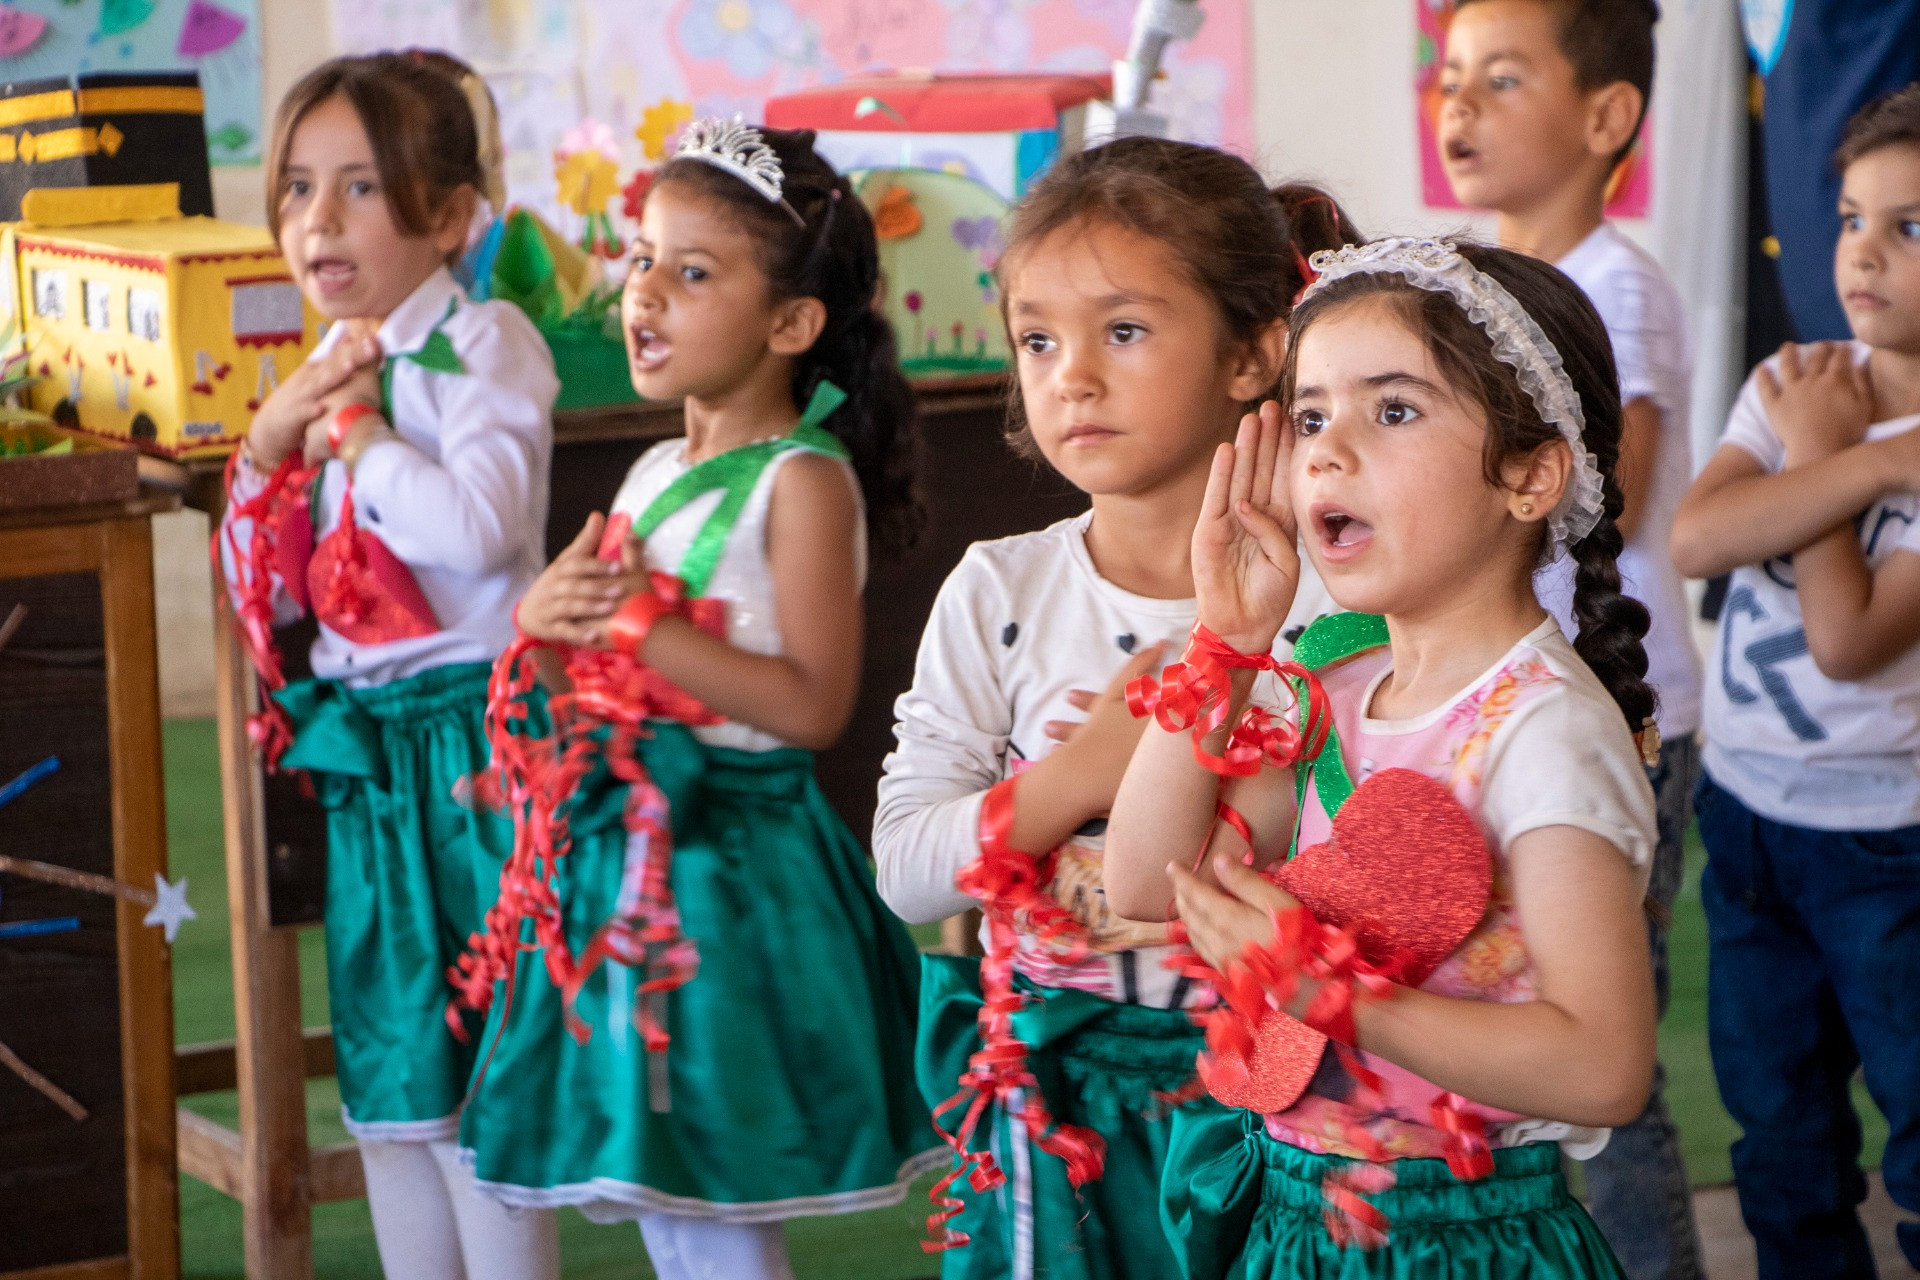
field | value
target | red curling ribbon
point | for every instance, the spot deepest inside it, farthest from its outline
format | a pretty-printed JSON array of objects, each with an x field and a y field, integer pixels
[
  {"x": 535, "y": 778},
  {"x": 1469, "y": 1157},
  {"x": 1351, "y": 1219},
  {"x": 278, "y": 518},
  {"x": 1194, "y": 693},
  {"x": 1011, "y": 887}
]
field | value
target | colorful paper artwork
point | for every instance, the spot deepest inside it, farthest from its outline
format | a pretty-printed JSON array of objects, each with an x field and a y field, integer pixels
[
  {"x": 1630, "y": 194},
  {"x": 552, "y": 62},
  {"x": 208, "y": 29},
  {"x": 19, "y": 31},
  {"x": 221, "y": 41}
]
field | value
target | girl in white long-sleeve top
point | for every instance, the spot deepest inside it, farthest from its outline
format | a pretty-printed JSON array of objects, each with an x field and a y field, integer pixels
[{"x": 396, "y": 487}]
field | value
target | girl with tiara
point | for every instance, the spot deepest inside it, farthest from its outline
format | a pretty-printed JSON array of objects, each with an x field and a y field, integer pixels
[
  {"x": 1147, "y": 285},
  {"x": 1448, "y": 984},
  {"x": 396, "y": 486},
  {"x": 701, "y": 1014}
]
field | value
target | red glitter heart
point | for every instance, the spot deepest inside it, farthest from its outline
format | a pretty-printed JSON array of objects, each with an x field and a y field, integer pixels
[{"x": 1407, "y": 870}]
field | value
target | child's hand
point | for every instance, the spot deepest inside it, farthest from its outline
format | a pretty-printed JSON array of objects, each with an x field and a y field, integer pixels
[
  {"x": 1221, "y": 923},
  {"x": 1246, "y": 563},
  {"x": 281, "y": 425},
  {"x": 362, "y": 386},
  {"x": 1818, "y": 400},
  {"x": 1100, "y": 748},
  {"x": 574, "y": 596}
]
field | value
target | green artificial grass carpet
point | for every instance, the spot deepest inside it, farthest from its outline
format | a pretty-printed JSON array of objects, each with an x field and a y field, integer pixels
[{"x": 881, "y": 1245}]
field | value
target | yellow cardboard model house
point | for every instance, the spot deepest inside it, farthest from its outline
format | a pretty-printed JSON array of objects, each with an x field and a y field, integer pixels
[{"x": 147, "y": 326}]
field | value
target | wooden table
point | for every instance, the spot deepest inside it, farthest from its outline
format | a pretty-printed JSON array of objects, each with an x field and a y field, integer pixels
[
  {"x": 92, "y": 1007},
  {"x": 973, "y": 487}
]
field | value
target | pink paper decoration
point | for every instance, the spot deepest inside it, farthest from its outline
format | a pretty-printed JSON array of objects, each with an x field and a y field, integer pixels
[
  {"x": 19, "y": 31},
  {"x": 209, "y": 29}
]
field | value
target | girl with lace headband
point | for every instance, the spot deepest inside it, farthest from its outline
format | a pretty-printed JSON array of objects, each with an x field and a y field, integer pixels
[
  {"x": 701, "y": 1015},
  {"x": 1423, "y": 916},
  {"x": 1146, "y": 288}
]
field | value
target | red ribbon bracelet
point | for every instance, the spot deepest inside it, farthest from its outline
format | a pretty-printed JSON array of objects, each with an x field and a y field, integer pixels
[
  {"x": 627, "y": 630},
  {"x": 343, "y": 420},
  {"x": 1194, "y": 693}
]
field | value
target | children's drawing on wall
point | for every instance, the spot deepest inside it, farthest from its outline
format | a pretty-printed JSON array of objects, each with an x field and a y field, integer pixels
[
  {"x": 552, "y": 64},
  {"x": 218, "y": 39}
]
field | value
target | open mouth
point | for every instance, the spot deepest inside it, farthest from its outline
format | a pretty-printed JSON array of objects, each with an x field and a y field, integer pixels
[
  {"x": 1458, "y": 151},
  {"x": 332, "y": 275},
  {"x": 650, "y": 350},
  {"x": 1341, "y": 530}
]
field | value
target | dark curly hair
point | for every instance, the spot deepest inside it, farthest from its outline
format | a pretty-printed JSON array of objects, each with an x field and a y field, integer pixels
[
  {"x": 834, "y": 257},
  {"x": 1611, "y": 623}
]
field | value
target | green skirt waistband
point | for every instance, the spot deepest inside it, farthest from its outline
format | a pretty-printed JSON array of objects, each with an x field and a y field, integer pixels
[{"x": 1525, "y": 1179}]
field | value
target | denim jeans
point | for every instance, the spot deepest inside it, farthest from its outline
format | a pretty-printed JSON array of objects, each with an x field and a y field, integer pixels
[
  {"x": 1813, "y": 972},
  {"x": 1637, "y": 1187}
]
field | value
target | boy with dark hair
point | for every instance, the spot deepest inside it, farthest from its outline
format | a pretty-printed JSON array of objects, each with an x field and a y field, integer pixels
[
  {"x": 1543, "y": 99},
  {"x": 1810, "y": 809}
]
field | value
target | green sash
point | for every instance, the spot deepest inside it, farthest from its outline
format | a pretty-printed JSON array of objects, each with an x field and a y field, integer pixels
[
  {"x": 1329, "y": 640},
  {"x": 736, "y": 472}
]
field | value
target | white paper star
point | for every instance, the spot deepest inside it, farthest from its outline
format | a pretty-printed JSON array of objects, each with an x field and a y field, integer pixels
[{"x": 170, "y": 908}]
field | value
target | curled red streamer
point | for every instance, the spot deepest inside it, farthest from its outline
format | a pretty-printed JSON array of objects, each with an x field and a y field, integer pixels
[
  {"x": 1195, "y": 694},
  {"x": 535, "y": 778},
  {"x": 1011, "y": 887},
  {"x": 254, "y": 567}
]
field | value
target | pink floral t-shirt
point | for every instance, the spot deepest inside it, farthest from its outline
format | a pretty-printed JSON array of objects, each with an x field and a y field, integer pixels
[{"x": 1536, "y": 741}]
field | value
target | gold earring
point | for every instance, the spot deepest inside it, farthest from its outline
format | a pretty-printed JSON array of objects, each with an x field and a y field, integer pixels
[{"x": 1526, "y": 508}]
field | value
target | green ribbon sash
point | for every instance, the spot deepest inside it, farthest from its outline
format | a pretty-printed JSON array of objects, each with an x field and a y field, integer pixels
[
  {"x": 1329, "y": 640},
  {"x": 737, "y": 472}
]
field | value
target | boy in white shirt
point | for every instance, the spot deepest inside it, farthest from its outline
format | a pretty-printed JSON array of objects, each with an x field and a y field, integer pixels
[
  {"x": 1543, "y": 99},
  {"x": 1810, "y": 809}
]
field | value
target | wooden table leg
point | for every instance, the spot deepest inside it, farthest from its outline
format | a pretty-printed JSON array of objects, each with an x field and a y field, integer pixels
[
  {"x": 140, "y": 841},
  {"x": 276, "y": 1186}
]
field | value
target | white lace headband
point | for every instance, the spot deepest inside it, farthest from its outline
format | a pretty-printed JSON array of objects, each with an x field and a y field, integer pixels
[
  {"x": 741, "y": 150},
  {"x": 1437, "y": 267}
]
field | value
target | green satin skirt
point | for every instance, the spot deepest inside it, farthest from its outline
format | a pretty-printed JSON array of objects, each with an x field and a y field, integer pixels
[
  {"x": 790, "y": 1072},
  {"x": 1239, "y": 1204},
  {"x": 409, "y": 869},
  {"x": 1099, "y": 1065}
]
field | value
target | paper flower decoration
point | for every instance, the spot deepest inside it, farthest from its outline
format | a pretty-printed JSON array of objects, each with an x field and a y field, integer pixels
[
  {"x": 590, "y": 135},
  {"x": 634, "y": 194},
  {"x": 587, "y": 170},
  {"x": 658, "y": 124},
  {"x": 588, "y": 181}
]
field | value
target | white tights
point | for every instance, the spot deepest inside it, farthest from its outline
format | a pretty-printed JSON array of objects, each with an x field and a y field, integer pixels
[
  {"x": 431, "y": 1223},
  {"x": 683, "y": 1248}
]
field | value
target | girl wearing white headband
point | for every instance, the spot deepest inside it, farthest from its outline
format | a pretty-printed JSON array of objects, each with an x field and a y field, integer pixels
[
  {"x": 1447, "y": 984},
  {"x": 713, "y": 1029}
]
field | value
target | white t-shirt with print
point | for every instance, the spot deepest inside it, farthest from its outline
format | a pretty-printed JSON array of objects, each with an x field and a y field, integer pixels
[
  {"x": 1647, "y": 323},
  {"x": 1019, "y": 624},
  {"x": 1791, "y": 744}
]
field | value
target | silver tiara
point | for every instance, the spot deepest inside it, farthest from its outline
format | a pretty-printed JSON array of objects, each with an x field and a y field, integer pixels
[
  {"x": 1518, "y": 342},
  {"x": 741, "y": 150}
]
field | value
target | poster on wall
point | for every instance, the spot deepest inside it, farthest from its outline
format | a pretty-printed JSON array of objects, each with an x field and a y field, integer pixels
[
  {"x": 219, "y": 39},
  {"x": 1629, "y": 193},
  {"x": 634, "y": 65}
]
